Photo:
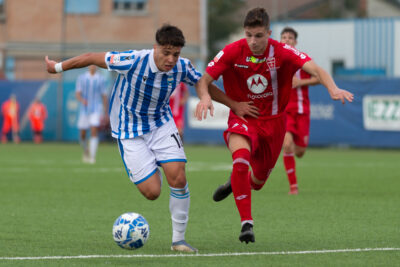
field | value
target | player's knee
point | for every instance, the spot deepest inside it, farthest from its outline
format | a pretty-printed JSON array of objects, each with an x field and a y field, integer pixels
[
  {"x": 179, "y": 179},
  {"x": 152, "y": 194},
  {"x": 300, "y": 154}
]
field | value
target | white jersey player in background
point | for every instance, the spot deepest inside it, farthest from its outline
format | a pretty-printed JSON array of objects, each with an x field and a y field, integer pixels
[
  {"x": 141, "y": 119},
  {"x": 91, "y": 92}
]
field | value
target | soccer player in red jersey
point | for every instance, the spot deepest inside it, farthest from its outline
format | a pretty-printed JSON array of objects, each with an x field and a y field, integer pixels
[
  {"x": 37, "y": 116},
  {"x": 298, "y": 116},
  {"x": 257, "y": 72},
  {"x": 177, "y": 102},
  {"x": 10, "y": 112}
]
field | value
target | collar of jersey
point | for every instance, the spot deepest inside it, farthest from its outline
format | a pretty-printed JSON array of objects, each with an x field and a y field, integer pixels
[{"x": 153, "y": 66}]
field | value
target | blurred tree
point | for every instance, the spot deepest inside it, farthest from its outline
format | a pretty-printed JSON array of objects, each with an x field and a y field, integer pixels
[{"x": 222, "y": 22}]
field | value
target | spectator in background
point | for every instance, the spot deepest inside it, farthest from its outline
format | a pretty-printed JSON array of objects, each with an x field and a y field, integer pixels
[
  {"x": 10, "y": 112},
  {"x": 177, "y": 103},
  {"x": 37, "y": 116},
  {"x": 91, "y": 93}
]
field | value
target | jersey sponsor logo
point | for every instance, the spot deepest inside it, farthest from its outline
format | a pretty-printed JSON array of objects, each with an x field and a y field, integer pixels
[
  {"x": 144, "y": 78},
  {"x": 259, "y": 96},
  {"x": 295, "y": 51},
  {"x": 255, "y": 60},
  {"x": 218, "y": 56},
  {"x": 211, "y": 64},
  {"x": 257, "y": 83},
  {"x": 241, "y": 66}
]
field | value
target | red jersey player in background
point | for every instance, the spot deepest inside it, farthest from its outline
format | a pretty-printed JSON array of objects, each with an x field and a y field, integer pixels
[
  {"x": 10, "y": 112},
  {"x": 257, "y": 72},
  {"x": 37, "y": 116},
  {"x": 298, "y": 116},
  {"x": 177, "y": 103}
]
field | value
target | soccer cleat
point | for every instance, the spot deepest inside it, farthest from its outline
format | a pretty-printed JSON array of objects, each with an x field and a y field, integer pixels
[
  {"x": 182, "y": 246},
  {"x": 294, "y": 190},
  {"x": 222, "y": 191},
  {"x": 247, "y": 234}
]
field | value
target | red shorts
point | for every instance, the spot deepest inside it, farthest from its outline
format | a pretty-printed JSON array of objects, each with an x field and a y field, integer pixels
[
  {"x": 9, "y": 125},
  {"x": 266, "y": 138},
  {"x": 37, "y": 125},
  {"x": 299, "y": 126}
]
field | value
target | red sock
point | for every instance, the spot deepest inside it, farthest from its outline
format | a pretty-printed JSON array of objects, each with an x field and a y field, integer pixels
[
  {"x": 290, "y": 166},
  {"x": 240, "y": 183}
]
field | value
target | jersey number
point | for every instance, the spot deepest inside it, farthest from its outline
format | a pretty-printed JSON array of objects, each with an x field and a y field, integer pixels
[{"x": 177, "y": 139}]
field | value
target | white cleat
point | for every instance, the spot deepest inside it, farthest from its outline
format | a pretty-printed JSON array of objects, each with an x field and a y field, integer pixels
[{"x": 182, "y": 246}]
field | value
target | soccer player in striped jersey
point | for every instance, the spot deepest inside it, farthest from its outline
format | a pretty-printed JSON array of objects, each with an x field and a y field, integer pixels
[
  {"x": 91, "y": 92},
  {"x": 297, "y": 116},
  {"x": 258, "y": 70},
  {"x": 141, "y": 118}
]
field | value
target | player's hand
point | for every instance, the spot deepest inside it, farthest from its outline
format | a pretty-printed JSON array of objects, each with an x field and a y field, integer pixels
[
  {"x": 242, "y": 109},
  {"x": 50, "y": 65},
  {"x": 342, "y": 95},
  {"x": 202, "y": 108},
  {"x": 295, "y": 82}
]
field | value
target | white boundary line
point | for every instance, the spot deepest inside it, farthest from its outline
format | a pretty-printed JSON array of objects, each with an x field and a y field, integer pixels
[{"x": 228, "y": 254}]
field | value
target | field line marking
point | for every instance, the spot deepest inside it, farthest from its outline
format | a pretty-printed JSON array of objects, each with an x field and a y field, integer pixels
[{"x": 202, "y": 255}]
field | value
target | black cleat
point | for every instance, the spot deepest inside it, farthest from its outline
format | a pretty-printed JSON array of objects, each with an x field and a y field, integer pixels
[
  {"x": 222, "y": 191},
  {"x": 247, "y": 234}
]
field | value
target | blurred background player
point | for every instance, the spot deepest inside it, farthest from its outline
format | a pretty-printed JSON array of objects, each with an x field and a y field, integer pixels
[
  {"x": 91, "y": 93},
  {"x": 298, "y": 116},
  {"x": 258, "y": 70},
  {"x": 37, "y": 116},
  {"x": 10, "y": 112},
  {"x": 177, "y": 103}
]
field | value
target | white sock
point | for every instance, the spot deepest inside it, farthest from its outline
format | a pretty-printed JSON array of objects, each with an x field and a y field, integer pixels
[
  {"x": 93, "y": 144},
  {"x": 179, "y": 203}
]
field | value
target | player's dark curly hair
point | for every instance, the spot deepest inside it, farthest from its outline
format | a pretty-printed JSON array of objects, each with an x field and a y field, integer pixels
[
  {"x": 170, "y": 35},
  {"x": 257, "y": 17},
  {"x": 290, "y": 30}
]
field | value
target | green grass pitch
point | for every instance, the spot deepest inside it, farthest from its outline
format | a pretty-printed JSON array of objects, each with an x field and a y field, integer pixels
[{"x": 51, "y": 204}]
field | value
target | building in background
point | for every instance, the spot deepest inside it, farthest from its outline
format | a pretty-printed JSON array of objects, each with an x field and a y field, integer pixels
[{"x": 31, "y": 29}]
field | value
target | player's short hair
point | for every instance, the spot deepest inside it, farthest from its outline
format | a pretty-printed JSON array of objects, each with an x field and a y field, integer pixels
[
  {"x": 170, "y": 35},
  {"x": 290, "y": 30},
  {"x": 257, "y": 17}
]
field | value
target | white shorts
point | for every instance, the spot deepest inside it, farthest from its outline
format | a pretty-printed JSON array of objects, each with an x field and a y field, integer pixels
[
  {"x": 85, "y": 121},
  {"x": 143, "y": 154}
]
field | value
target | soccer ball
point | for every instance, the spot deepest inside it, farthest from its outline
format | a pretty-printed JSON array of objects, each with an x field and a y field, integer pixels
[{"x": 131, "y": 230}]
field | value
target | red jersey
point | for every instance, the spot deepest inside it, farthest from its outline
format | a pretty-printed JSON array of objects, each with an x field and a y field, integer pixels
[
  {"x": 264, "y": 79},
  {"x": 175, "y": 100},
  {"x": 37, "y": 112},
  {"x": 299, "y": 101},
  {"x": 10, "y": 109}
]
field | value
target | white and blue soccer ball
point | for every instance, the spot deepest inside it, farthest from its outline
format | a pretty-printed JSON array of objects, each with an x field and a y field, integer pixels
[{"x": 131, "y": 230}]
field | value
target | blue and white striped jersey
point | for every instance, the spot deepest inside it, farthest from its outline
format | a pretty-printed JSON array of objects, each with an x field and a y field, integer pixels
[
  {"x": 140, "y": 98},
  {"x": 92, "y": 87}
]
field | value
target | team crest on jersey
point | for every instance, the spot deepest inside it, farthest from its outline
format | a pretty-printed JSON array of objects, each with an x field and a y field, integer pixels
[
  {"x": 257, "y": 83},
  {"x": 271, "y": 63},
  {"x": 170, "y": 80}
]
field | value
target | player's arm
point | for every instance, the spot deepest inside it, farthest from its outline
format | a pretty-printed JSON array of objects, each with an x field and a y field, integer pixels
[
  {"x": 241, "y": 109},
  {"x": 296, "y": 82},
  {"x": 77, "y": 62},
  {"x": 327, "y": 81},
  {"x": 205, "y": 102},
  {"x": 79, "y": 97}
]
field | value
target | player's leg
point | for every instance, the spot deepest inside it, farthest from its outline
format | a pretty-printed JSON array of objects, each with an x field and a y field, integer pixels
[
  {"x": 6, "y": 128},
  {"x": 289, "y": 162},
  {"x": 83, "y": 126},
  {"x": 94, "y": 122},
  {"x": 141, "y": 167},
  {"x": 93, "y": 144}
]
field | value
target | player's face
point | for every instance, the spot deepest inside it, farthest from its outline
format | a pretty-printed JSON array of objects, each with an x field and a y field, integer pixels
[
  {"x": 166, "y": 56},
  {"x": 288, "y": 38},
  {"x": 257, "y": 38}
]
